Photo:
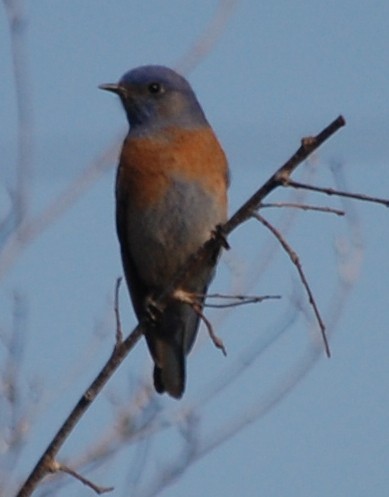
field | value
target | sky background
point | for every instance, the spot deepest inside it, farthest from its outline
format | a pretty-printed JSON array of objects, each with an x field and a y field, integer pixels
[{"x": 279, "y": 71}]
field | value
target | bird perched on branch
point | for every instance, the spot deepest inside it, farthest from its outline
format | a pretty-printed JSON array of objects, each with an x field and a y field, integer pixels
[{"x": 171, "y": 194}]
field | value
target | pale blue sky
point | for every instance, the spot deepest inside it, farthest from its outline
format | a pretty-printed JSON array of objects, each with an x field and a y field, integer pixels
[{"x": 280, "y": 70}]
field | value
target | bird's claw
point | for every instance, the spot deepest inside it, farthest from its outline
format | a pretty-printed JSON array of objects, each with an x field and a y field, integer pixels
[
  {"x": 219, "y": 235},
  {"x": 154, "y": 310}
]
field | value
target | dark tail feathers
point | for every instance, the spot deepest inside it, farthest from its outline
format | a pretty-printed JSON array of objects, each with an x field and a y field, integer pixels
[{"x": 169, "y": 373}]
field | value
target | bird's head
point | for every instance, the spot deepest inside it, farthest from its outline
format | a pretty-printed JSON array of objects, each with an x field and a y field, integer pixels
[{"x": 156, "y": 97}]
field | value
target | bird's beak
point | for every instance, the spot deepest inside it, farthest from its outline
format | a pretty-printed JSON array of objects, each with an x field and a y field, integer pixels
[{"x": 113, "y": 87}]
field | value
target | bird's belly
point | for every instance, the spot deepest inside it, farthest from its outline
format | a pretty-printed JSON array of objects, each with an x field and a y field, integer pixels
[{"x": 163, "y": 236}]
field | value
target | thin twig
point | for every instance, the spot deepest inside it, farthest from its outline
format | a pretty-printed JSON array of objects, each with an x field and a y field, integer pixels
[
  {"x": 215, "y": 339},
  {"x": 304, "y": 207},
  {"x": 296, "y": 261},
  {"x": 338, "y": 193},
  {"x": 29, "y": 229},
  {"x": 211, "y": 34},
  {"x": 97, "y": 488},
  {"x": 194, "y": 300},
  {"x": 17, "y": 20},
  {"x": 16, "y": 419},
  {"x": 239, "y": 299}
]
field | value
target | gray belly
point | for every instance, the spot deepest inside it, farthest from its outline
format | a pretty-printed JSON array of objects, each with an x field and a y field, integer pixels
[{"x": 163, "y": 237}]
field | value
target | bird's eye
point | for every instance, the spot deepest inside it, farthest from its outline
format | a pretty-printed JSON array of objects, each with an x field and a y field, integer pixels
[{"x": 155, "y": 88}]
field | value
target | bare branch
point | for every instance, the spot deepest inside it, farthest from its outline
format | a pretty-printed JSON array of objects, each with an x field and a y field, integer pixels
[
  {"x": 211, "y": 248},
  {"x": 296, "y": 261},
  {"x": 304, "y": 207},
  {"x": 215, "y": 339},
  {"x": 207, "y": 252},
  {"x": 45, "y": 462},
  {"x": 338, "y": 193},
  {"x": 264, "y": 402},
  {"x": 280, "y": 177},
  {"x": 97, "y": 488},
  {"x": 195, "y": 302},
  {"x": 238, "y": 299}
]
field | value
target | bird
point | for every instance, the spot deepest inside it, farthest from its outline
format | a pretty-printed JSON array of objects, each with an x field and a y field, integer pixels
[{"x": 171, "y": 195}]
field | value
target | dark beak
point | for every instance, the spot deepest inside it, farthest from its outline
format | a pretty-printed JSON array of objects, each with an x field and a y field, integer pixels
[{"x": 113, "y": 87}]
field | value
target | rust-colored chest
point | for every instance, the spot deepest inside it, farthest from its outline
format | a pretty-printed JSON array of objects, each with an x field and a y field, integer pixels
[{"x": 148, "y": 166}]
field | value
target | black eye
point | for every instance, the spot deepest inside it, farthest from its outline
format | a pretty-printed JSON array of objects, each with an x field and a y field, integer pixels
[{"x": 155, "y": 88}]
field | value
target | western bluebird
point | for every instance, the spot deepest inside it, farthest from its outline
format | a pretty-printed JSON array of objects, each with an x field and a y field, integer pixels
[{"x": 171, "y": 193}]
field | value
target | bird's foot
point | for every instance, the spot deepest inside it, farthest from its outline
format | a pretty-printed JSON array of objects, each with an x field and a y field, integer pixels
[
  {"x": 154, "y": 310},
  {"x": 219, "y": 235}
]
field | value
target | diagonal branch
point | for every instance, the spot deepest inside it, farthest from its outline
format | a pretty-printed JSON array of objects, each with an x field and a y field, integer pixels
[
  {"x": 32, "y": 227},
  {"x": 207, "y": 252},
  {"x": 208, "y": 38},
  {"x": 280, "y": 177},
  {"x": 44, "y": 465}
]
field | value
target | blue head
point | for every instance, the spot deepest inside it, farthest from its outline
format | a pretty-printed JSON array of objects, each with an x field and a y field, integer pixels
[{"x": 156, "y": 97}]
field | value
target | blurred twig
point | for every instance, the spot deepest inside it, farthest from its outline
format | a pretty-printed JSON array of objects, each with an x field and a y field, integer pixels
[
  {"x": 31, "y": 228},
  {"x": 15, "y": 418},
  {"x": 211, "y": 34},
  {"x": 17, "y": 21}
]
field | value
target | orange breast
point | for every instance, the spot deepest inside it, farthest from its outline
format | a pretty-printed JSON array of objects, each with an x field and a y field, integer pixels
[{"x": 148, "y": 165}]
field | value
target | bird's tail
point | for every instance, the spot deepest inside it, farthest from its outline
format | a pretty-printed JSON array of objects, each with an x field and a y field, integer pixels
[
  {"x": 169, "y": 369},
  {"x": 169, "y": 343}
]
